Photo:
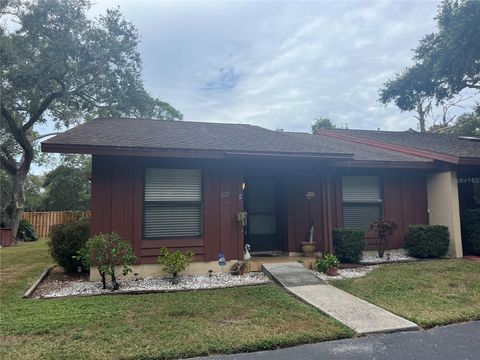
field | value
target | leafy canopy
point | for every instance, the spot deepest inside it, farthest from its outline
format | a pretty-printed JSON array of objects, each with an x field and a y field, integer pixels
[
  {"x": 322, "y": 123},
  {"x": 445, "y": 62}
]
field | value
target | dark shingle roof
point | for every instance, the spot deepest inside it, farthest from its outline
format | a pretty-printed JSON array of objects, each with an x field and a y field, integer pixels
[
  {"x": 363, "y": 152},
  {"x": 187, "y": 135},
  {"x": 447, "y": 144}
]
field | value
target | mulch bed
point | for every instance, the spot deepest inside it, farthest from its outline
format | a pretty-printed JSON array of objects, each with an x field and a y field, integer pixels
[{"x": 56, "y": 279}]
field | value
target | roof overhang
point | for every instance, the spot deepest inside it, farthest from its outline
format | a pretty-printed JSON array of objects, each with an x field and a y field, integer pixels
[{"x": 182, "y": 153}]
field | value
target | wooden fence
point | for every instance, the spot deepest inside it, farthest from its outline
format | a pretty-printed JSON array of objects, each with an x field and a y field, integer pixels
[{"x": 43, "y": 221}]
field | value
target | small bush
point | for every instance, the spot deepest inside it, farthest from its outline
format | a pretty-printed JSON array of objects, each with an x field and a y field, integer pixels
[
  {"x": 26, "y": 231},
  {"x": 174, "y": 263},
  {"x": 106, "y": 252},
  {"x": 348, "y": 244},
  {"x": 385, "y": 229},
  {"x": 471, "y": 232},
  {"x": 66, "y": 240},
  {"x": 326, "y": 262},
  {"x": 427, "y": 241}
]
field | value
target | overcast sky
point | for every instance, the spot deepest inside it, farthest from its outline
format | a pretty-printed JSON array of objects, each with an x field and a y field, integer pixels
[{"x": 278, "y": 64}]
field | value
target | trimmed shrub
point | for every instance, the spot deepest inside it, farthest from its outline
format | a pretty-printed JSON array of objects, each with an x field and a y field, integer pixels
[
  {"x": 471, "y": 232},
  {"x": 106, "y": 252},
  {"x": 66, "y": 240},
  {"x": 26, "y": 231},
  {"x": 174, "y": 262},
  {"x": 427, "y": 241},
  {"x": 348, "y": 244}
]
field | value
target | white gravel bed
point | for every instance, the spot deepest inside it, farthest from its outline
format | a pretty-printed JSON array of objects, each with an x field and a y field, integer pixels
[
  {"x": 397, "y": 256},
  {"x": 346, "y": 273},
  {"x": 193, "y": 282}
]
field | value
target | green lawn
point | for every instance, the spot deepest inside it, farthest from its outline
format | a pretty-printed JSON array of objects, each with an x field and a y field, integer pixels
[
  {"x": 152, "y": 326},
  {"x": 430, "y": 293}
]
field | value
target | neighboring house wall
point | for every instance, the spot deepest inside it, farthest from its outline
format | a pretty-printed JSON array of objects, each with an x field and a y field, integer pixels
[
  {"x": 444, "y": 208},
  {"x": 118, "y": 191}
]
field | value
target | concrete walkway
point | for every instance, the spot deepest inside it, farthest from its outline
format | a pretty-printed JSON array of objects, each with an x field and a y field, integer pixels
[{"x": 357, "y": 314}]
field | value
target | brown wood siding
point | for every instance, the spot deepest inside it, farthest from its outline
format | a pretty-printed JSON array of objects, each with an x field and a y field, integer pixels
[
  {"x": 117, "y": 205},
  {"x": 117, "y": 202},
  {"x": 297, "y": 186},
  {"x": 404, "y": 200}
]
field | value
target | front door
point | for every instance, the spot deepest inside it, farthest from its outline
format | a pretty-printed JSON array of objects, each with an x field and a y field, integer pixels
[{"x": 261, "y": 206}]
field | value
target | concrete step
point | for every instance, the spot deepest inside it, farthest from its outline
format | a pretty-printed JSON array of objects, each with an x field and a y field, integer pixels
[{"x": 359, "y": 315}]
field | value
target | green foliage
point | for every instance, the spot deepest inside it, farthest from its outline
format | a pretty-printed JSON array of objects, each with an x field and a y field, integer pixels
[
  {"x": 427, "y": 241},
  {"x": 106, "y": 252},
  {"x": 385, "y": 229},
  {"x": 471, "y": 232},
  {"x": 67, "y": 189},
  {"x": 445, "y": 62},
  {"x": 348, "y": 244},
  {"x": 63, "y": 66},
  {"x": 175, "y": 262},
  {"x": 326, "y": 262},
  {"x": 66, "y": 240},
  {"x": 468, "y": 124},
  {"x": 322, "y": 123},
  {"x": 26, "y": 231}
]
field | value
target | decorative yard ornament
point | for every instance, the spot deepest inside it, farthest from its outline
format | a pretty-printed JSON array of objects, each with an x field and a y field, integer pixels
[
  {"x": 308, "y": 246},
  {"x": 221, "y": 260},
  {"x": 246, "y": 253}
]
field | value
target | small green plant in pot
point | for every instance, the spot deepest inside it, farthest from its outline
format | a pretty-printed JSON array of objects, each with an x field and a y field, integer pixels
[
  {"x": 328, "y": 264},
  {"x": 174, "y": 263}
]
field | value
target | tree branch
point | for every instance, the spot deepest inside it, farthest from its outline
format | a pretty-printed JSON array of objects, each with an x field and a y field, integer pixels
[
  {"x": 8, "y": 165},
  {"x": 44, "y": 136},
  {"x": 41, "y": 109},
  {"x": 19, "y": 135}
]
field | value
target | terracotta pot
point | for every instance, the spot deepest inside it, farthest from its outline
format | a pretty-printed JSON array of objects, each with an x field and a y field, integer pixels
[
  {"x": 308, "y": 248},
  {"x": 332, "y": 271}
]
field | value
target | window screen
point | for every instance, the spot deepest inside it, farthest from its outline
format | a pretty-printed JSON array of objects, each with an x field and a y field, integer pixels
[
  {"x": 173, "y": 203},
  {"x": 362, "y": 201}
]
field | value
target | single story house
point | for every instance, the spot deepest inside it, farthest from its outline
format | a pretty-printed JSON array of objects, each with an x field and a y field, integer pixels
[{"x": 183, "y": 184}]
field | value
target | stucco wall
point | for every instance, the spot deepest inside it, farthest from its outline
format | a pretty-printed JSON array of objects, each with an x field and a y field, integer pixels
[{"x": 443, "y": 207}]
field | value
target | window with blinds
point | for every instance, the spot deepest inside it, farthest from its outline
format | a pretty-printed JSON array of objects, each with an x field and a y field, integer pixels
[
  {"x": 172, "y": 203},
  {"x": 362, "y": 201}
]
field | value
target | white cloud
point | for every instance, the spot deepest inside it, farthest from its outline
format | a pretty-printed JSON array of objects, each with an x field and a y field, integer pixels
[{"x": 278, "y": 64}]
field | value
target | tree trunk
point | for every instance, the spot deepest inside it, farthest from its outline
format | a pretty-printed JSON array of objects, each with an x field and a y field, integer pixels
[
  {"x": 421, "y": 116},
  {"x": 17, "y": 201}
]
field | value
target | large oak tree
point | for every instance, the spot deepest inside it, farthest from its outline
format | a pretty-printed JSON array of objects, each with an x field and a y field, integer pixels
[
  {"x": 60, "y": 66},
  {"x": 445, "y": 62}
]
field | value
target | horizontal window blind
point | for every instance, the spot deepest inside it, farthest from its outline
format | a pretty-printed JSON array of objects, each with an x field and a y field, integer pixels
[
  {"x": 362, "y": 201},
  {"x": 360, "y": 216},
  {"x": 173, "y": 185},
  {"x": 171, "y": 221},
  {"x": 361, "y": 189},
  {"x": 172, "y": 203}
]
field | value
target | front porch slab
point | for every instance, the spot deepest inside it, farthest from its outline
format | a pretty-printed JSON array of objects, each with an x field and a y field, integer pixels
[{"x": 357, "y": 314}]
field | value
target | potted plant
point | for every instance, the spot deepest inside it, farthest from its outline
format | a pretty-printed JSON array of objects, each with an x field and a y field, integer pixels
[{"x": 328, "y": 264}]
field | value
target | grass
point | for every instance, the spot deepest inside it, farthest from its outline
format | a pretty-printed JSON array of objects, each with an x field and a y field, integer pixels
[
  {"x": 151, "y": 326},
  {"x": 429, "y": 293}
]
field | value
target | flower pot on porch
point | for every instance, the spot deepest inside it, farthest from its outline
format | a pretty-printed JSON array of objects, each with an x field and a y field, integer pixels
[
  {"x": 308, "y": 248},
  {"x": 332, "y": 271}
]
